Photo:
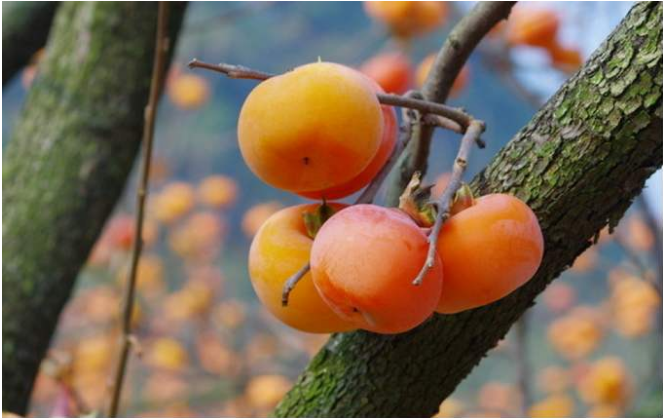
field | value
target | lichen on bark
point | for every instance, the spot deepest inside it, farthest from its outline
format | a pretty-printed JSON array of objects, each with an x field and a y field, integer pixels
[
  {"x": 579, "y": 163},
  {"x": 65, "y": 167}
]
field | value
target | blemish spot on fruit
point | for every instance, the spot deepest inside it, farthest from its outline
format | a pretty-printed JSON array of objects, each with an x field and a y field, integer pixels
[{"x": 306, "y": 160}]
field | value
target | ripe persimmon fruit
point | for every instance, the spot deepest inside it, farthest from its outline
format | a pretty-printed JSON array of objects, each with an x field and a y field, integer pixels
[
  {"x": 389, "y": 136},
  {"x": 532, "y": 26},
  {"x": 391, "y": 70},
  {"x": 312, "y": 128},
  {"x": 408, "y": 18},
  {"x": 488, "y": 250},
  {"x": 279, "y": 249},
  {"x": 363, "y": 262}
]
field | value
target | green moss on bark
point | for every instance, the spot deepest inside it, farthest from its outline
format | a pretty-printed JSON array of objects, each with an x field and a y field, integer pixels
[
  {"x": 66, "y": 166},
  {"x": 579, "y": 163}
]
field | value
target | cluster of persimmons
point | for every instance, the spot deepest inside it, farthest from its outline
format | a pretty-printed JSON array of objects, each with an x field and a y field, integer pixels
[{"x": 319, "y": 131}]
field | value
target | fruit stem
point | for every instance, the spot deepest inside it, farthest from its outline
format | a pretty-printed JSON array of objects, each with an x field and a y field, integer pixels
[{"x": 292, "y": 282}]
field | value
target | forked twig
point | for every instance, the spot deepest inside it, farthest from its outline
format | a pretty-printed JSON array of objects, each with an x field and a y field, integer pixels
[{"x": 471, "y": 137}]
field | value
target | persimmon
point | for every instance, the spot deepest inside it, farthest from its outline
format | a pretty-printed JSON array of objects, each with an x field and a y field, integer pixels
[
  {"x": 391, "y": 70},
  {"x": 389, "y": 135},
  {"x": 312, "y": 128},
  {"x": 565, "y": 58},
  {"x": 532, "y": 26},
  {"x": 363, "y": 261},
  {"x": 280, "y": 248},
  {"x": 408, "y": 18},
  {"x": 489, "y": 250},
  {"x": 188, "y": 91},
  {"x": 427, "y": 63}
]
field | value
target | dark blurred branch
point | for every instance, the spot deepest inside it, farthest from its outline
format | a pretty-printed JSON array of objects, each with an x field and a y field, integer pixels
[{"x": 25, "y": 28}]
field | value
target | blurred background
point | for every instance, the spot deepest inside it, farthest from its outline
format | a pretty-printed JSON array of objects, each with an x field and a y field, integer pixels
[{"x": 592, "y": 343}]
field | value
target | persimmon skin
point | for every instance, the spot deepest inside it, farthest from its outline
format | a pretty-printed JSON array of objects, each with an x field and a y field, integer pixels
[
  {"x": 279, "y": 249},
  {"x": 488, "y": 250},
  {"x": 387, "y": 144},
  {"x": 311, "y": 128},
  {"x": 391, "y": 70},
  {"x": 364, "y": 260}
]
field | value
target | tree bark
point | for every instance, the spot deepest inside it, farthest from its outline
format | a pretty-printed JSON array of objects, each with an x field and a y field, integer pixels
[
  {"x": 65, "y": 167},
  {"x": 25, "y": 27},
  {"x": 578, "y": 164}
]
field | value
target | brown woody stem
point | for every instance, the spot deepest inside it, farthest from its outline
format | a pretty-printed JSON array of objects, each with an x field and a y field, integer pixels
[{"x": 470, "y": 138}]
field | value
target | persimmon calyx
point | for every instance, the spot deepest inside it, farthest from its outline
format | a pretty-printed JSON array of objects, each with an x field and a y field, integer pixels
[
  {"x": 463, "y": 199},
  {"x": 313, "y": 221},
  {"x": 415, "y": 201}
]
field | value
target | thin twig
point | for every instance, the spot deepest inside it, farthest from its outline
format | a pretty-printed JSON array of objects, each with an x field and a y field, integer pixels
[
  {"x": 240, "y": 72},
  {"x": 158, "y": 69},
  {"x": 522, "y": 363},
  {"x": 292, "y": 282},
  {"x": 443, "y": 204}
]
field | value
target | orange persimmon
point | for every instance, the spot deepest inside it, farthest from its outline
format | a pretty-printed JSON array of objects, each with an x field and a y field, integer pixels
[
  {"x": 488, "y": 250},
  {"x": 364, "y": 260},
  {"x": 532, "y": 26},
  {"x": 280, "y": 248},
  {"x": 391, "y": 70},
  {"x": 389, "y": 135},
  {"x": 408, "y": 18},
  {"x": 311, "y": 128}
]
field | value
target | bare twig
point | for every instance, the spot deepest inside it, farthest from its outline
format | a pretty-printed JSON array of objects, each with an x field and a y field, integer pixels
[
  {"x": 240, "y": 72},
  {"x": 443, "y": 204},
  {"x": 292, "y": 282},
  {"x": 161, "y": 49},
  {"x": 368, "y": 195},
  {"x": 522, "y": 363}
]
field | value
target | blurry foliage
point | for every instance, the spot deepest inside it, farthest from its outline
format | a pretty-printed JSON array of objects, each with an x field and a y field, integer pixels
[{"x": 206, "y": 347}]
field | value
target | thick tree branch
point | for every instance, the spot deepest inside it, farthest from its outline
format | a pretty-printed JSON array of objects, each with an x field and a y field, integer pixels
[
  {"x": 65, "y": 167},
  {"x": 578, "y": 164},
  {"x": 25, "y": 28},
  {"x": 462, "y": 40}
]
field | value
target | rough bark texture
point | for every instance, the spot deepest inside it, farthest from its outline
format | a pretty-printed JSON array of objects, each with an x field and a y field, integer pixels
[
  {"x": 25, "y": 27},
  {"x": 65, "y": 167},
  {"x": 578, "y": 164}
]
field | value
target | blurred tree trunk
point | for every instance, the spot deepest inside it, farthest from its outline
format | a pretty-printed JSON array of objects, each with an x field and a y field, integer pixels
[
  {"x": 25, "y": 27},
  {"x": 579, "y": 163},
  {"x": 66, "y": 165}
]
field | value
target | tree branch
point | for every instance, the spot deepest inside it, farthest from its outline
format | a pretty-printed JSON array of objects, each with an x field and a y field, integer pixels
[
  {"x": 462, "y": 40},
  {"x": 25, "y": 28}
]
